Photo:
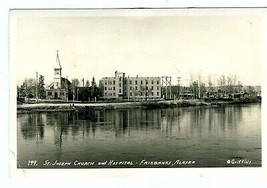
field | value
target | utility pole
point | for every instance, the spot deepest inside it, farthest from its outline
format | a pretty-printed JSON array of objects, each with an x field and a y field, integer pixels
[
  {"x": 199, "y": 83},
  {"x": 77, "y": 94},
  {"x": 178, "y": 80},
  {"x": 170, "y": 89},
  {"x": 73, "y": 93},
  {"x": 67, "y": 89},
  {"x": 166, "y": 81},
  {"x": 198, "y": 89},
  {"x": 36, "y": 90},
  {"x": 146, "y": 90},
  {"x": 127, "y": 86}
]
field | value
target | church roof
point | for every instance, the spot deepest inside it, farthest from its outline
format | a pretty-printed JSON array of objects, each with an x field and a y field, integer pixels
[
  {"x": 57, "y": 64},
  {"x": 65, "y": 83}
]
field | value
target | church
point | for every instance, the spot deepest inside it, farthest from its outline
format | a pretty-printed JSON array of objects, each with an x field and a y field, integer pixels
[{"x": 60, "y": 88}]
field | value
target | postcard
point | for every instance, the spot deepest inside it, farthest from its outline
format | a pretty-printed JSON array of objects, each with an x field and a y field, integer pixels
[{"x": 172, "y": 90}]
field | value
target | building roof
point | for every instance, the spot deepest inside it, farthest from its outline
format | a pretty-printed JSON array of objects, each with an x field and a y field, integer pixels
[{"x": 64, "y": 83}]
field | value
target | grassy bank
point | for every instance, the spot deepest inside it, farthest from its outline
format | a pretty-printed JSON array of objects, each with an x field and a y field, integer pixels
[
  {"x": 46, "y": 107},
  {"x": 52, "y": 107}
]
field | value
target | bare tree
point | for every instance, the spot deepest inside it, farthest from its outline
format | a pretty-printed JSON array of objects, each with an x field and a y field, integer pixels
[
  {"x": 75, "y": 84},
  {"x": 240, "y": 86},
  {"x": 210, "y": 84},
  {"x": 222, "y": 80},
  {"x": 232, "y": 83},
  {"x": 27, "y": 89},
  {"x": 87, "y": 83},
  {"x": 229, "y": 87}
]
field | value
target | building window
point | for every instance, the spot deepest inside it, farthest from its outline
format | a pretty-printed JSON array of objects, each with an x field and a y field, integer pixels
[
  {"x": 146, "y": 82},
  {"x": 136, "y": 88},
  {"x": 120, "y": 90},
  {"x": 114, "y": 94},
  {"x": 106, "y": 82},
  {"x": 49, "y": 93},
  {"x": 114, "y": 82},
  {"x": 157, "y": 81},
  {"x": 114, "y": 88},
  {"x": 105, "y": 88},
  {"x": 152, "y": 88},
  {"x": 120, "y": 78},
  {"x": 136, "y": 82},
  {"x": 141, "y": 81},
  {"x": 157, "y": 93},
  {"x": 152, "y": 82},
  {"x": 120, "y": 85},
  {"x": 130, "y": 87},
  {"x": 106, "y": 94},
  {"x": 157, "y": 87},
  {"x": 130, "y": 81},
  {"x": 131, "y": 94},
  {"x": 152, "y": 93},
  {"x": 109, "y": 82}
]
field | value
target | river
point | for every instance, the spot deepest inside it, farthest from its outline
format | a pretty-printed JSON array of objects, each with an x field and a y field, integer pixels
[{"x": 227, "y": 136}]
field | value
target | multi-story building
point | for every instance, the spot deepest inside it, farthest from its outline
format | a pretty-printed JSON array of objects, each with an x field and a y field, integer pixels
[
  {"x": 134, "y": 88},
  {"x": 113, "y": 86}
]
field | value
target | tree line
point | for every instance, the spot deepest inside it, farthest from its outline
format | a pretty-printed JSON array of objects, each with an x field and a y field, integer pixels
[
  {"x": 209, "y": 86},
  {"x": 84, "y": 91},
  {"x": 28, "y": 88},
  {"x": 223, "y": 84},
  {"x": 81, "y": 91}
]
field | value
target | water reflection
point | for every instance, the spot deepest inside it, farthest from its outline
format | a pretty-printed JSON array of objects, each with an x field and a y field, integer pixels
[
  {"x": 155, "y": 133},
  {"x": 171, "y": 121},
  {"x": 32, "y": 126}
]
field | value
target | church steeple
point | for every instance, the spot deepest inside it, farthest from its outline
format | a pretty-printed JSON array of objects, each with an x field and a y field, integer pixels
[
  {"x": 57, "y": 65},
  {"x": 57, "y": 73}
]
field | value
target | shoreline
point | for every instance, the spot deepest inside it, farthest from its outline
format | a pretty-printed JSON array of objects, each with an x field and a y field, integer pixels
[{"x": 72, "y": 107}]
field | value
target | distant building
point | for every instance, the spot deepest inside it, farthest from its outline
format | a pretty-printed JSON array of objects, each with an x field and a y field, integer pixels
[
  {"x": 59, "y": 88},
  {"x": 134, "y": 88},
  {"x": 186, "y": 95},
  {"x": 234, "y": 91}
]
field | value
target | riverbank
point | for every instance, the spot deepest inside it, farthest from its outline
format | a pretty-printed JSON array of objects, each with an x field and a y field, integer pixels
[
  {"x": 51, "y": 107},
  {"x": 68, "y": 107}
]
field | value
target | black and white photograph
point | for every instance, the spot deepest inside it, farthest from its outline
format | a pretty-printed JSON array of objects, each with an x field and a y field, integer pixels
[{"x": 137, "y": 88}]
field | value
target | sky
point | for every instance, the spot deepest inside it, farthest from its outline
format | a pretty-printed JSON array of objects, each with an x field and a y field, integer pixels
[{"x": 143, "y": 42}]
